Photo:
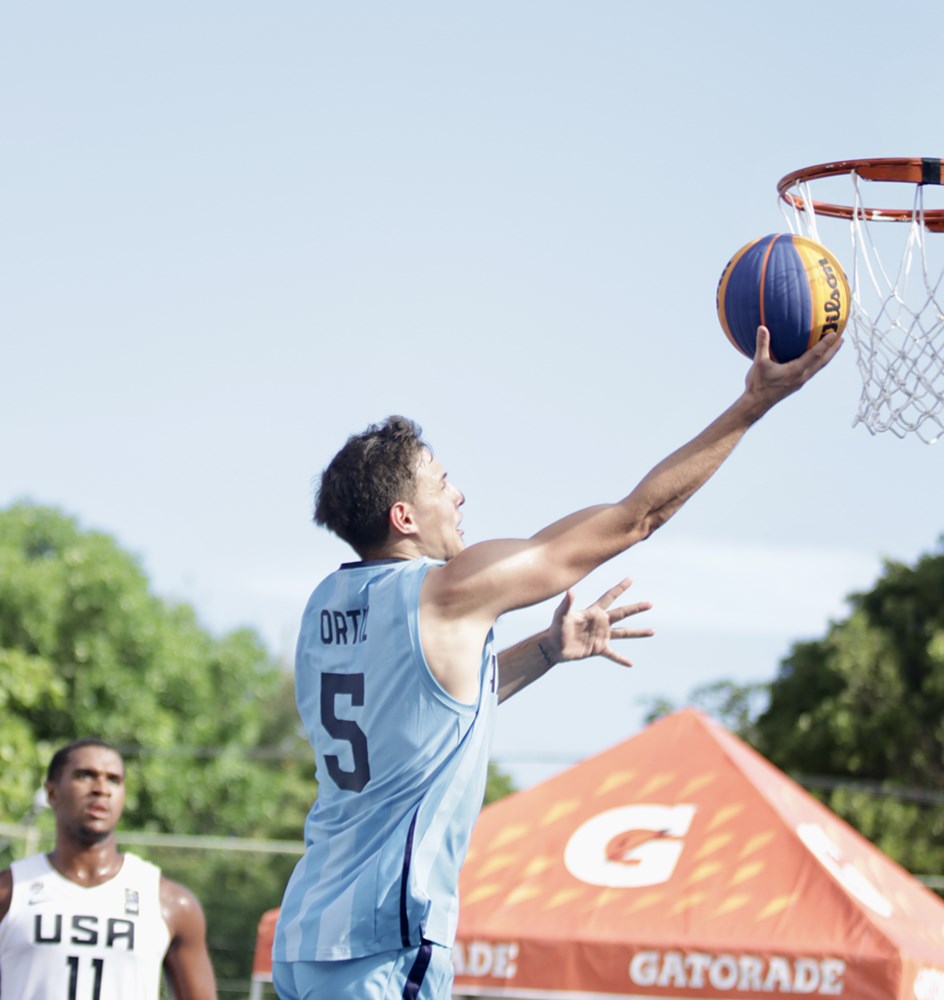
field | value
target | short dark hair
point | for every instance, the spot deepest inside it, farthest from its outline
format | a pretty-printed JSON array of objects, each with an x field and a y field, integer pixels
[
  {"x": 373, "y": 471},
  {"x": 61, "y": 757}
]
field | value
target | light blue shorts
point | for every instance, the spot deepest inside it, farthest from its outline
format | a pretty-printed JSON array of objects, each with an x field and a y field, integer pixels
[{"x": 421, "y": 973}]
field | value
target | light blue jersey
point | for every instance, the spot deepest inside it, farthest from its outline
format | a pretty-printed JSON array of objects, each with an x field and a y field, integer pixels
[{"x": 401, "y": 769}]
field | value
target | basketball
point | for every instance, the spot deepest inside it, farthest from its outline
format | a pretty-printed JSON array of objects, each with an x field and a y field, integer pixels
[{"x": 791, "y": 285}]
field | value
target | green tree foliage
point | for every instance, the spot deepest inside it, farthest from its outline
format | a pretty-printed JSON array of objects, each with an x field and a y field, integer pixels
[
  {"x": 498, "y": 785},
  {"x": 207, "y": 724},
  {"x": 865, "y": 706}
]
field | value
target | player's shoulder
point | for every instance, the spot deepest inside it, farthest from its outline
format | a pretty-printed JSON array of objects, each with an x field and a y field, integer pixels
[
  {"x": 138, "y": 869},
  {"x": 478, "y": 583},
  {"x": 179, "y": 905}
]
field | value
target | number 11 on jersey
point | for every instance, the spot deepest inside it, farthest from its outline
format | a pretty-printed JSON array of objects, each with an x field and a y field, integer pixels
[{"x": 98, "y": 967}]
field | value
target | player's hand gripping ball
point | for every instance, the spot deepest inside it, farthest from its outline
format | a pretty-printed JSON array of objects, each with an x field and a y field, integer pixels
[{"x": 791, "y": 285}]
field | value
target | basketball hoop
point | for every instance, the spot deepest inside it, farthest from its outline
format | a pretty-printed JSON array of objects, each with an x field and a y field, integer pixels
[{"x": 897, "y": 315}]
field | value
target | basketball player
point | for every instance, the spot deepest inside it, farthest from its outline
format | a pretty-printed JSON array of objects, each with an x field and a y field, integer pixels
[
  {"x": 86, "y": 922},
  {"x": 396, "y": 684}
]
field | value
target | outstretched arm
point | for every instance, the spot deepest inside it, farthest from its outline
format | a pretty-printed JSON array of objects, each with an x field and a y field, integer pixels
[
  {"x": 490, "y": 578},
  {"x": 460, "y": 601},
  {"x": 572, "y": 635}
]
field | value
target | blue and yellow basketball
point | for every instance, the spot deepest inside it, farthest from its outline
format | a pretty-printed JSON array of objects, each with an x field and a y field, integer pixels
[{"x": 791, "y": 285}]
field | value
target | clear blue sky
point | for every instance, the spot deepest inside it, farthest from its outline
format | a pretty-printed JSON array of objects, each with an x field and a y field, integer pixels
[{"x": 233, "y": 233}]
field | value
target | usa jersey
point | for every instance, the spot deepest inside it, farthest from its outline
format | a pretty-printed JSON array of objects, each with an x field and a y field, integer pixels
[
  {"x": 401, "y": 768},
  {"x": 64, "y": 941}
]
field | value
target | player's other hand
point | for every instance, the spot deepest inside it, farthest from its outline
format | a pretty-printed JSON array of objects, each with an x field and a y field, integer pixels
[{"x": 576, "y": 635}]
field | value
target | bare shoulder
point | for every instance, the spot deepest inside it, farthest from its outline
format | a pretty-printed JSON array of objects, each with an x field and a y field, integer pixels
[
  {"x": 6, "y": 891},
  {"x": 181, "y": 908},
  {"x": 482, "y": 581}
]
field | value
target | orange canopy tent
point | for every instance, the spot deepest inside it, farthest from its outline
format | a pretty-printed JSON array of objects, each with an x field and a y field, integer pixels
[{"x": 679, "y": 864}]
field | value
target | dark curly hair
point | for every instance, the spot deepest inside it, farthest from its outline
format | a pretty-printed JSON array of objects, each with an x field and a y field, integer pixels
[{"x": 372, "y": 472}]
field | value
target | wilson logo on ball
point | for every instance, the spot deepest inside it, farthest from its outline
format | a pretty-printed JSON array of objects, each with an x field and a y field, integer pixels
[{"x": 791, "y": 285}]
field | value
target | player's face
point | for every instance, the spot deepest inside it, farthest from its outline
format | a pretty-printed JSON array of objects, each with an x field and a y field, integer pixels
[
  {"x": 90, "y": 794},
  {"x": 436, "y": 510}
]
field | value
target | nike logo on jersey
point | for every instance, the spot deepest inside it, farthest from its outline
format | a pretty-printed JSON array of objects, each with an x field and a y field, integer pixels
[{"x": 37, "y": 894}]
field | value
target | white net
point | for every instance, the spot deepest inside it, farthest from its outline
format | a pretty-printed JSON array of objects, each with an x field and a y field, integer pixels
[{"x": 897, "y": 318}]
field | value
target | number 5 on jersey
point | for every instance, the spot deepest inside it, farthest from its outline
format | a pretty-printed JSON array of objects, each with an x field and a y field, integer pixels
[{"x": 334, "y": 686}]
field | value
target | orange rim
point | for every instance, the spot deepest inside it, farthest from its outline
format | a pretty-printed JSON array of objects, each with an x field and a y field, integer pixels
[{"x": 918, "y": 170}]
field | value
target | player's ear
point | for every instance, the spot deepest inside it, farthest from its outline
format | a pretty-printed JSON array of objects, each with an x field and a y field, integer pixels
[
  {"x": 401, "y": 518},
  {"x": 50, "y": 787}
]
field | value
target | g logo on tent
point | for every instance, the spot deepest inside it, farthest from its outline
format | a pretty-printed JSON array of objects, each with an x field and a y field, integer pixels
[{"x": 630, "y": 846}]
